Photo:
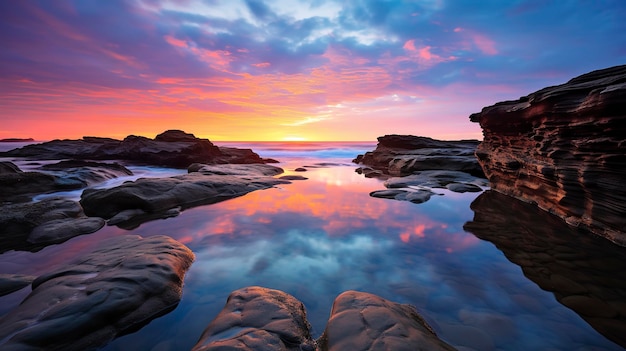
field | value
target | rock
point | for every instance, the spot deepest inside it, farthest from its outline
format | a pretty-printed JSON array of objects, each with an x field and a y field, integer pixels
[
  {"x": 362, "y": 321},
  {"x": 415, "y": 196},
  {"x": 258, "y": 319},
  {"x": 300, "y": 169},
  {"x": 156, "y": 197},
  {"x": 400, "y": 155},
  {"x": 116, "y": 289},
  {"x": 585, "y": 272},
  {"x": 173, "y": 148},
  {"x": 18, "y": 186},
  {"x": 14, "y": 282},
  {"x": 369, "y": 172},
  {"x": 293, "y": 177},
  {"x": 563, "y": 148},
  {"x": 32, "y": 226},
  {"x": 86, "y": 172},
  {"x": 243, "y": 170}
]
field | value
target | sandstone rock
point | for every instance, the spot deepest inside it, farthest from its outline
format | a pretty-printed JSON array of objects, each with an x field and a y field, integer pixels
[
  {"x": 563, "y": 148},
  {"x": 32, "y": 226},
  {"x": 156, "y": 197},
  {"x": 14, "y": 282},
  {"x": 258, "y": 319},
  {"x": 116, "y": 289},
  {"x": 585, "y": 272},
  {"x": 173, "y": 148},
  {"x": 362, "y": 321},
  {"x": 400, "y": 155}
]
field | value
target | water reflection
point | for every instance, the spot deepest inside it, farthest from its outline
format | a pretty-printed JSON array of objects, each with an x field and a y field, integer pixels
[
  {"x": 586, "y": 273},
  {"x": 319, "y": 237}
]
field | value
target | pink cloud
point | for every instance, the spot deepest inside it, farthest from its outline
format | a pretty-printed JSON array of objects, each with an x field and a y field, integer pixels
[
  {"x": 486, "y": 45},
  {"x": 409, "y": 45}
]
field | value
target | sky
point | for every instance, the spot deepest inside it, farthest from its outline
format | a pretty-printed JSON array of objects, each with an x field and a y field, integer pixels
[{"x": 257, "y": 70}]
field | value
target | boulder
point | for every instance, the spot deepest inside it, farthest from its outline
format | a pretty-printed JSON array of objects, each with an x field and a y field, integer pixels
[
  {"x": 172, "y": 148},
  {"x": 157, "y": 197},
  {"x": 116, "y": 289},
  {"x": 33, "y": 226},
  {"x": 564, "y": 149},
  {"x": 365, "y": 322},
  {"x": 585, "y": 272},
  {"x": 400, "y": 155},
  {"x": 258, "y": 319}
]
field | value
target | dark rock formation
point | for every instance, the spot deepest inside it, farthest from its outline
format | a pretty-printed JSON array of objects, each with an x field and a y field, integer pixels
[
  {"x": 293, "y": 177},
  {"x": 14, "y": 282},
  {"x": 584, "y": 272},
  {"x": 16, "y": 140},
  {"x": 173, "y": 148},
  {"x": 133, "y": 203},
  {"x": 259, "y": 319},
  {"x": 33, "y": 226},
  {"x": 417, "y": 187},
  {"x": 563, "y": 148},
  {"x": 17, "y": 186},
  {"x": 400, "y": 155},
  {"x": 114, "y": 290},
  {"x": 360, "y": 322}
]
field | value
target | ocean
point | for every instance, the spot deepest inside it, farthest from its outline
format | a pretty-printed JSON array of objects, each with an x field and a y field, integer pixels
[{"x": 319, "y": 237}]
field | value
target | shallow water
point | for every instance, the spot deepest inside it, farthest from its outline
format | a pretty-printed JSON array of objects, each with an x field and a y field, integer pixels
[{"x": 316, "y": 238}]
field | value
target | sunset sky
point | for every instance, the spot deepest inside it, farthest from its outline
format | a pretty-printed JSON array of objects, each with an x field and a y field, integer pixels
[{"x": 252, "y": 70}]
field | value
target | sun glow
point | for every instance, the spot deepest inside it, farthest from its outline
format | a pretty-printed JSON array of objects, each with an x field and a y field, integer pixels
[{"x": 294, "y": 138}]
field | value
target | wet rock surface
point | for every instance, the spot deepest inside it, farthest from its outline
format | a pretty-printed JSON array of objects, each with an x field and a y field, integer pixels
[
  {"x": 563, "y": 148},
  {"x": 116, "y": 289},
  {"x": 258, "y": 319},
  {"x": 147, "y": 199},
  {"x": 33, "y": 226},
  {"x": 585, "y": 272},
  {"x": 172, "y": 148},
  {"x": 14, "y": 282},
  {"x": 400, "y": 155}
]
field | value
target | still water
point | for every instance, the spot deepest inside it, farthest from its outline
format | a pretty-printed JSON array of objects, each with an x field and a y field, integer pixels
[{"x": 318, "y": 237}]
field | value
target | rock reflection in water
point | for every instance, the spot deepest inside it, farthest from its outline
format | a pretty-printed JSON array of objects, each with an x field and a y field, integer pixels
[{"x": 586, "y": 273}]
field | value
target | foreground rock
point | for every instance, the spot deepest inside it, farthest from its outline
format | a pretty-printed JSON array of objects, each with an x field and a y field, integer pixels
[
  {"x": 173, "y": 148},
  {"x": 586, "y": 273},
  {"x": 33, "y": 226},
  {"x": 360, "y": 322},
  {"x": 133, "y": 203},
  {"x": 14, "y": 282},
  {"x": 256, "y": 318},
  {"x": 563, "y": 148},
  {"x": 19, "y": 186},
  {"x": 116, "y": 289},
  {"x": 400, "y": 155}
]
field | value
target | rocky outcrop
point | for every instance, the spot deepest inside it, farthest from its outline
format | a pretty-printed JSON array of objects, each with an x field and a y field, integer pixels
[
  {"x": 33, "y": 226},
  {"x": 586, "y": 273},
  {"x": 14, "y": 282},
  {"x": 119, "y": 287},
  {"x": 256, "y": 318},
  {"x": 400, "y": 155},
  {"x": 259, "y": 319},
  {"x": 133, "y": 203},
  {"x": 19, "y": 186},
  {"x": 563, "y": 148},
  {"x": 172, "y": 148}
]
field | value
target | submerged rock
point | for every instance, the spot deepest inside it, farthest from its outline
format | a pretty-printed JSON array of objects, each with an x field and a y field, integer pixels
[
  {"x": 258, "y": 319},
  {"x": 586, "y": 273},
  {"x": 360, "y": 322},
  {"x": 33, "y": 226},
  {"x": 400, "y": 155},
  {"x": 172, "y": 148},
  {"x": 116, "y": 289},
  {"x": 147, "y": 199},
  {"x": 563, "y": 148}
]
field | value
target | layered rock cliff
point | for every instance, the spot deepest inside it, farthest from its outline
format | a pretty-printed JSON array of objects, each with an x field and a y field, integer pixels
[{"x": 563, "y": 148}]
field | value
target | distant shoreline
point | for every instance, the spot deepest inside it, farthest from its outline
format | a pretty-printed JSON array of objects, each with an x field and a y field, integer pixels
[{"x": 16, "y": 140}]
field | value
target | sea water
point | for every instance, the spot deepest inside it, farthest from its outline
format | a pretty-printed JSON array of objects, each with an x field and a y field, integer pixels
[{"x": 318, "y": 237}]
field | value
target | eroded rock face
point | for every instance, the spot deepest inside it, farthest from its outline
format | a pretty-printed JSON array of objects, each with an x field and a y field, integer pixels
[
  {"x": 400, "y": 155},
  {"x": 259, "y": 319},
  {"x": 563, "y": 148},
  {"x": 133, "y": 203},
  {"x": 586, "y": 273},
  {"x": 116, "y": 289},
  {"x": 172, "y": 148},
  {"x": 33, "y": 226}
]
